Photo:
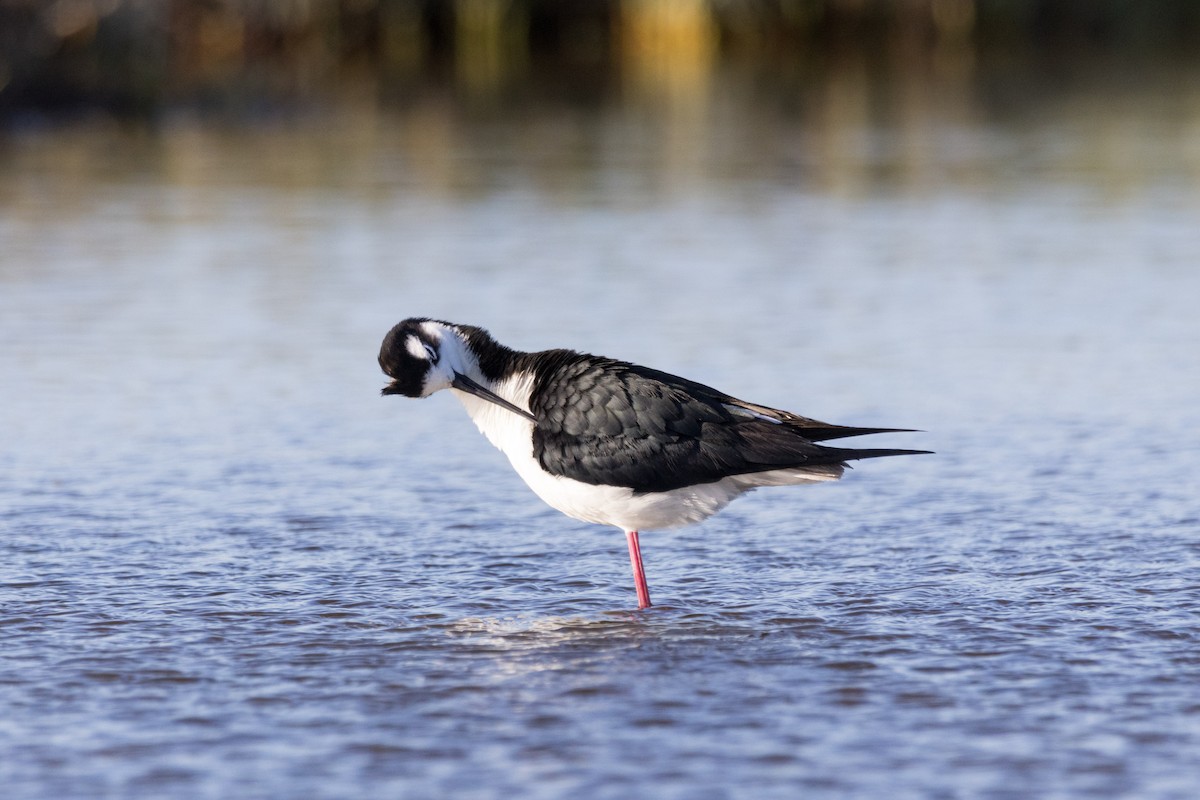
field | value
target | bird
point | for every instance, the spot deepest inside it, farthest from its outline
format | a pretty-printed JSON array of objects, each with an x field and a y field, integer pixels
[{"x": 611, "y": 442}]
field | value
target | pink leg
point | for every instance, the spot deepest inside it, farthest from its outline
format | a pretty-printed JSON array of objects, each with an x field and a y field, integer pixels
[{"x": 639, "y": 573}]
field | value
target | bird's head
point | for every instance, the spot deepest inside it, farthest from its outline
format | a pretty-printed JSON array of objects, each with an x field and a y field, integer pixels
[{"x": 423, "y": 356}]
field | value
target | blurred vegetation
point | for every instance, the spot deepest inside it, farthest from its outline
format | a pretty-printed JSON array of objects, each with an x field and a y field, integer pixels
[{"x": 137, "y": 58}]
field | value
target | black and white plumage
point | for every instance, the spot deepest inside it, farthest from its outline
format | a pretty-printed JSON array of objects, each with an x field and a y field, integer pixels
[{"x": 611, "y": 442}]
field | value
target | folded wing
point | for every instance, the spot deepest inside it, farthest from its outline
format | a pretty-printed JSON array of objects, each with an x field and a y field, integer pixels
[{"x": 601, "y": 421}]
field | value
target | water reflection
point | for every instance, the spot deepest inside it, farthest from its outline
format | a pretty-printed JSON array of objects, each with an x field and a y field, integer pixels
[{"x": 846, "y": 131}]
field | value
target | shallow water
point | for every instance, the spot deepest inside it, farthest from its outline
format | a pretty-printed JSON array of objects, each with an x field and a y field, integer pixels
[{"x": 230, "y": 568}]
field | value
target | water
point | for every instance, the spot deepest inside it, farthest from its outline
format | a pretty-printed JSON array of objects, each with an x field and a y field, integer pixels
[{"x": 229, "y": 568}]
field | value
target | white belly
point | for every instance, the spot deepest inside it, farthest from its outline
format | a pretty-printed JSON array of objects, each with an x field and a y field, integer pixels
[{"x": 621, "y": 506}]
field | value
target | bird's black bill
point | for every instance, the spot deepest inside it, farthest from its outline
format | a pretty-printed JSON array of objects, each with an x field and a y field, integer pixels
[{"x": 465, "y": 384}]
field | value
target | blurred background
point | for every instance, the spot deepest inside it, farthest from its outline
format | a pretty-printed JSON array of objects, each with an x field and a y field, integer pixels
[
  {"x": 229, "y": 568},
  {"x": 835, "y": 65},
  {"x": 143, "y": 60}
]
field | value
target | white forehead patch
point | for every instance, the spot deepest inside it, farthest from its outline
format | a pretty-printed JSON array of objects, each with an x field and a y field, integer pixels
[{"x": 416, "y": 348}]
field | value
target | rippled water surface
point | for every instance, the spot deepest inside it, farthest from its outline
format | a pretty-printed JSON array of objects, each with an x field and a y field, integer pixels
[{"x": 228, "y": 568}]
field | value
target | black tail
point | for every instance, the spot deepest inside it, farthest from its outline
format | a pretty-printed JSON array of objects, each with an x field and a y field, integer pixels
[
  {"x": 823, "y": 432},
  {"x": 854, "y": 454}
]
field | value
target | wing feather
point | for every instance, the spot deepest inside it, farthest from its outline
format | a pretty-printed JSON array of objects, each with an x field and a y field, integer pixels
[{"x": 602, "y": 421}]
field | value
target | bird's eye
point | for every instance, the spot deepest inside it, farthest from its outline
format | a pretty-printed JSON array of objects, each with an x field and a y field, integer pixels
[{"x": 421, "y": 350}]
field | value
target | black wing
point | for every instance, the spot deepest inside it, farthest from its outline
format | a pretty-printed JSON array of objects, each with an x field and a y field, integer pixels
[{"x": 602, "y": 421}]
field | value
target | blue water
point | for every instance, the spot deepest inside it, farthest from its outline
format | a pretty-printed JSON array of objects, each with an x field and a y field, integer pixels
[{"x": 228, "y": 568}]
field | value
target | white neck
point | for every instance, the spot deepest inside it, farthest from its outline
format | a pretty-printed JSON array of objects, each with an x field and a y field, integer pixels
[{"x": 505, "y": 429}]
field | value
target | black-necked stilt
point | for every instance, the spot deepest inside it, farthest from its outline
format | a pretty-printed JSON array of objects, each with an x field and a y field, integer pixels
[{"x": 611, "y": 442}]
